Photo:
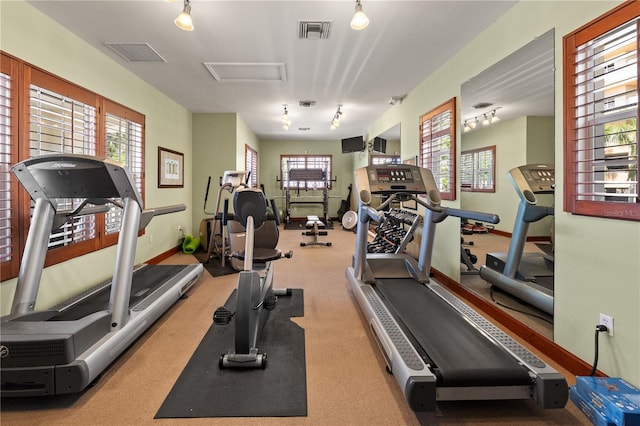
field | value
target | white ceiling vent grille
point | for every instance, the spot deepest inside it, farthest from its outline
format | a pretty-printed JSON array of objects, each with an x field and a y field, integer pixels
[
  {"x": 314, "y": 29},
  {"x": 245, "y": 72},
  {"x": 135, "y": 52}
]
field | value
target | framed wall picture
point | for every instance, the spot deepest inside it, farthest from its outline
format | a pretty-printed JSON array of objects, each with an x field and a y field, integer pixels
[
  {"x": 170, "y": 168},
  {"x": 412, "y": 204}
]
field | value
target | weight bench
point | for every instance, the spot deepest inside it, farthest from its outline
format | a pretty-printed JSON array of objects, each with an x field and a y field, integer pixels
[{"x": 314, "y": 224}]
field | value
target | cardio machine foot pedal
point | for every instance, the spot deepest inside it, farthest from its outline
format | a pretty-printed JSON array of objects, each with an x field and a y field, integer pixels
[
  {"x": 222, "y": 316},
  {"x": 250, "y": 360}
]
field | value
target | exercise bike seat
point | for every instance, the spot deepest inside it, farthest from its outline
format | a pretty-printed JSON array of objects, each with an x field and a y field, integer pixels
[{"x": 251, "y": 202}]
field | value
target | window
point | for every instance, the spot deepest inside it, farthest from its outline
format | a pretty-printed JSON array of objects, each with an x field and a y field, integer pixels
[
  {"x": 124, "y": 136},
  {"x": 316, "y": 162},
  {"x": 62, "y": 124},
  {"x": 601, "y": 116},
  {"x": 57, "y": 116},
  {"x": 478, "y": 170},
  {"x": 385, "y": 159},
  {"x": 251, "y": 165},
  {"x": 438, "y": 147}
]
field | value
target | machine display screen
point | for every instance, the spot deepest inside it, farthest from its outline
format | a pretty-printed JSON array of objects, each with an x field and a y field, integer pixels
[{"x": 394, "y": 175}]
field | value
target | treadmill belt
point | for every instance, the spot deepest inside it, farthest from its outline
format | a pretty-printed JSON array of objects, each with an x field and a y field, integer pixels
[
  {"x": 462, "y": 355},
  {"x": 144, "y": 282}
]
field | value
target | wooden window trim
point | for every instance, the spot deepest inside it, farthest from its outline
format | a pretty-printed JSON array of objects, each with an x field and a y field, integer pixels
[
  {"x": 9, "y": 269},
  {"x": 599, "y": 26}
]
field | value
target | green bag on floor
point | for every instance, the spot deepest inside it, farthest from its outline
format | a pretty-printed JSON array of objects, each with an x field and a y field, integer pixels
[{"x": 190, "y": 244}]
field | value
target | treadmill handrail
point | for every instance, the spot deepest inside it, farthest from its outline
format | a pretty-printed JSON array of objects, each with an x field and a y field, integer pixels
[{"x": 148, "y": 214}]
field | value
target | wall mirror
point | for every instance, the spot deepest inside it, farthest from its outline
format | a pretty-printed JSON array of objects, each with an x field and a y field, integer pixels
[{"x": 507, "y": 121}]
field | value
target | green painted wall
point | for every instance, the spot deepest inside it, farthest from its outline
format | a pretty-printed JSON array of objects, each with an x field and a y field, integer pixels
[{"x": 214, "y": 148}]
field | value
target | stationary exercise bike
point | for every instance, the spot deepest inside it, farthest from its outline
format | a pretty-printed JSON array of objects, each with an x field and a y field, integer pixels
[{"x": 255, "y": 296}]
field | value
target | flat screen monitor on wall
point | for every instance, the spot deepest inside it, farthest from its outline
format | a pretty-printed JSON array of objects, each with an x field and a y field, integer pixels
[
  {"x": 354, "y": 144},
  {"x": 380, "y": 145}
]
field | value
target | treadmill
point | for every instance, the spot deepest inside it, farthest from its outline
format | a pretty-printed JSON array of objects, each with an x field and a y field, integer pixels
[
  {"x": 526, "y": 275},
  {"x": 64, "y": 349},
  {"x": 437, "y": 347}
]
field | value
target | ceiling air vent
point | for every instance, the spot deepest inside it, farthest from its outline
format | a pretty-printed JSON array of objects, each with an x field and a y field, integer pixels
[
  {"x": 481, "y": 105},
  {"x": 306, "y": 104},
  {"x": 135, "y": 52},
  {"x": 244, "y": 72},
  {"x": 314, "y": 29}
]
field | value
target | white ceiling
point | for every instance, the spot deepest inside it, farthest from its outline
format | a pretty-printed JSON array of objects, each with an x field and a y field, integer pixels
[{"x": 362, "y": 70}]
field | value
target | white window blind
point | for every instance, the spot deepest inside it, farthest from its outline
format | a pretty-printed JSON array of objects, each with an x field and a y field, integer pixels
[
  {"x": 5, "y": 168},
  {"x": 124, "y": 145},
  {"x": 437, "y": 147},
  {"x": 251, "y": 165},
  {"x": 59, "y": 124},
  {"x": 477, "y": 170},
  {"x": 466, "y": 171},
  {"x": 606, "y": 118}
]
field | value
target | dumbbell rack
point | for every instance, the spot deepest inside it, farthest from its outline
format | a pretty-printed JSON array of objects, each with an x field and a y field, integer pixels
[{"x": 394, "y": 232}]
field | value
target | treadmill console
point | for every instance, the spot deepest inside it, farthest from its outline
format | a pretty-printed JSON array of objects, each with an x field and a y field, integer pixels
[
  {"x": 389, "y": 179},
  {"x": 533, "y": 179}
]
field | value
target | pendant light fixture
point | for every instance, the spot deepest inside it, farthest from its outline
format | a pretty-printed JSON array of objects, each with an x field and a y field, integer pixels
[
  {"x": 359, "y": 20},
  {"x": 286, "y": 122},
  {"x": 183, "y": 21},
  {"x": 337, "y": 117}
]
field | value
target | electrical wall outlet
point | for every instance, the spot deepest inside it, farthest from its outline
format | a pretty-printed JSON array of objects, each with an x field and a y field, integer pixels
[{"x": 607, "y": 321}]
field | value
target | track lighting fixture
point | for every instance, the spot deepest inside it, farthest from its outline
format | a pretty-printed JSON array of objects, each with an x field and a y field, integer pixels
[
  {"x": 488, "y": 118},
  {"x": 359, "y": 20},
  {"x": 337, "y": 117},
  {"x": 286, "y": 122},
  {"x": 183, "y": 21}
]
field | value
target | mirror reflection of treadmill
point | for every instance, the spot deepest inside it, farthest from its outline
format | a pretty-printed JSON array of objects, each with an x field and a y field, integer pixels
[
  {"x": 526, "y": 275},
  {"x": 65, "y": 348}
]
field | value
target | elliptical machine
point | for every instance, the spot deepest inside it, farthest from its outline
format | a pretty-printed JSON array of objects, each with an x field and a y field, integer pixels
[
  {"x": 215, "y": 239},
  {"x": 255, "y": 296}
]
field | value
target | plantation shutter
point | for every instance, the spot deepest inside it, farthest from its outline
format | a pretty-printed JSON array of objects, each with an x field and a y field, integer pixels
[
  {"x": 437, "y": 147},
  {"x": 466, "y": 171},
  {"x": 251, "y": 165},
  {"x": 484, "y": 172},
  {"x": 123, "y": 136},
  {"x": 61, "y": 124},
  {"x": 601, "y": 144}
]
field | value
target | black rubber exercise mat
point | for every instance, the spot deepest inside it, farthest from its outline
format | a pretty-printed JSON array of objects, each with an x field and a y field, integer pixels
[
  {"x": 280, "y": 390},
  {"x": 214, "y": 266}
]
